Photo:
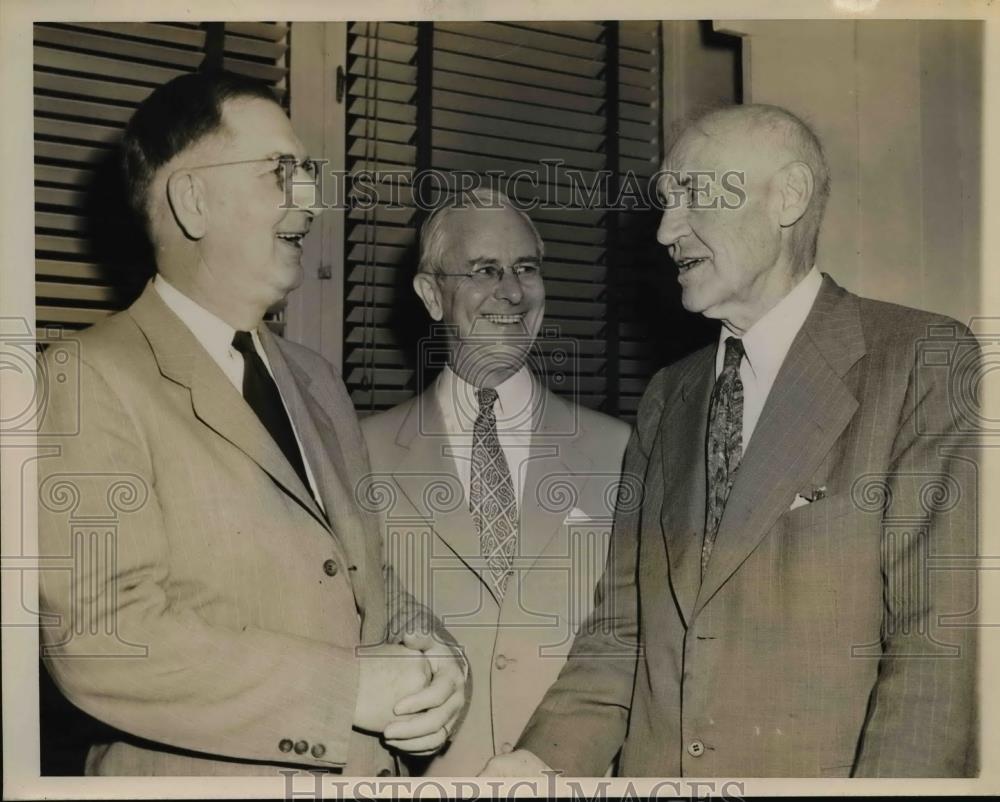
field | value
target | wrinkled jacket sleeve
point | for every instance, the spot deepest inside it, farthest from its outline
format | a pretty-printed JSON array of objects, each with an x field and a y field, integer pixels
[
  {"x": 922, "y": 713},
  {"x": 580, "y": 724}
]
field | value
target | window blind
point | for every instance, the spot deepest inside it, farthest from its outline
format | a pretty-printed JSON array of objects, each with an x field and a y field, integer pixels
[
  {"x": 639, "y": 260},
  {"x": 380, "y": 242}
]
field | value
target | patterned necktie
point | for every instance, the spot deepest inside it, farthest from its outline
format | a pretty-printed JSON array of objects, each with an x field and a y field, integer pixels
[
  {"x": 725, "y": 442},
  {"x": 491, "y": 495},
  {"x": 261, "y": 393}
]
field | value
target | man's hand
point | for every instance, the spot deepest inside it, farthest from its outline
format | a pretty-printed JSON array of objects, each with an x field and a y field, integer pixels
[
  {"x": 389, "y": 673},
  {"x": 426, "y": 719},
  {"x": 519, "y": 763}
]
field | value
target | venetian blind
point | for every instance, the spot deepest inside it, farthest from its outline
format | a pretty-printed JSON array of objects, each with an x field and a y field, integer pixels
[
  {"x": 88, "y": 79},
  {"x": 638, "y": 262},
  {"x": 381, "y": 138}
]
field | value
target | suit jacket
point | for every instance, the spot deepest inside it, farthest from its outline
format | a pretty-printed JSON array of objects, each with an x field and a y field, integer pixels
[
  {"x": 832, "y": 638},
  {"x": 515, "y": 648},
  {"x": 193, "y": 594}
]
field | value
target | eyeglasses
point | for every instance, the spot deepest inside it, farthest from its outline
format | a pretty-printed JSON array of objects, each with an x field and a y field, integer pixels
[
  {"x": 489, "y": 275},
  {"x": 284, "y": 167}
]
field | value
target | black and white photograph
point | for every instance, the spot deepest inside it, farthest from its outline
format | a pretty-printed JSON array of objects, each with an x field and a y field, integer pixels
[{"x": 460, "y": 400}]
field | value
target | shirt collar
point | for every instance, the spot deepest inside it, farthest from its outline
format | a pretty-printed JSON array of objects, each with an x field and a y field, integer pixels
[
  {"x": 514, "y": 406},
  {"x": 766, "y": 343},
  {"x": 210, "y": 330}
]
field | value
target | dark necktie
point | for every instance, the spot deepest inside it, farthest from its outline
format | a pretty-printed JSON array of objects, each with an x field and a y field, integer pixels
[
  {"x": 261, "y": 393},
  {"x": 491, "y": 495},
  {"x": 725, "y": 442}
]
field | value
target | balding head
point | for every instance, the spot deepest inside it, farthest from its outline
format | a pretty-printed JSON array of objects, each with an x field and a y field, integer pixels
[
  {"x": 776, "y": 137},
  {"x": 436, "y": 229},
  {"x": 746, "y": 189}
]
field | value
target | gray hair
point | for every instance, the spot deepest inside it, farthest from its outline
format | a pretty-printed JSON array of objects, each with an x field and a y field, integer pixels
[
  {"x": 776, "y": 126},
  {"x": 433, "y": 236}
]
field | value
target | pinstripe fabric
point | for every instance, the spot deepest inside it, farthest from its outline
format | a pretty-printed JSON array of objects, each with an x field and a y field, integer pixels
[
  {"x": 225, "y": 610},
  {"x": 821, "y": 642}
]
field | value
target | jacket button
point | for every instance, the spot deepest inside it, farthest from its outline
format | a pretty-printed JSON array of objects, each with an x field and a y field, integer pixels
[
  {"x": 696, "y": 748},
  {"x": 500, "y": 662},
  {"x": 301, "y": 747},
  {"x": 285, "y": 745},
  {"x": 506, "y": 747},
  {"x": 385, "y": 772},
  {"x": 330, "y": 568},
  {"x": 318, "y": 750}
]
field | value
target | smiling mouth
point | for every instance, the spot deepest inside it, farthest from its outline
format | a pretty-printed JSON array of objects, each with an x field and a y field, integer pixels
[
  {"x": 292, "y": 238},
  {"x": 686, "y": 265},
  {"x": 505, "y": 320}
]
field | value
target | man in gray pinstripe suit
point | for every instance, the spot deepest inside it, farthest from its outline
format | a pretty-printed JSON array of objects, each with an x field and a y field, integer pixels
[
  {"x": 236, "y": 614},
  {"x": 774, "y": 609}
]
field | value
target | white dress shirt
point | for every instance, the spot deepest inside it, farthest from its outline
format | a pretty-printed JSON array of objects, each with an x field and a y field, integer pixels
[
  {"x": 766, "y": 345},
  {"x": 514, "y": 408},
  {"x": 216, "y": 337}
]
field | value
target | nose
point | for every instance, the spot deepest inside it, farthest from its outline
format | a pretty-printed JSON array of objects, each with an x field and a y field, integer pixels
[
  {"x": 673, "y": 225},
  {"x": 509, "y": 288},
  {"x": 307, "y": 192}
]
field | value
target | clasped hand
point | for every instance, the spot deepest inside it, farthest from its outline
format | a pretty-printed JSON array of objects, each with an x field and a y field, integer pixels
[{"x": 413, "y": 693}]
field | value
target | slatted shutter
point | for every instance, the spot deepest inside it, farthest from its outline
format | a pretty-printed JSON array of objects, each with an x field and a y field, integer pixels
[
  {"x": 640, "y": 264},
  {"x": 380, "y": 242},
  {"x": 500, "y": 97},
  {"x": 88, "y": 79}
]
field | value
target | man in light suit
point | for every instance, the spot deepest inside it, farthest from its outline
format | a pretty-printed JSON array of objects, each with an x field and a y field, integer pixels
[
  {"x": 497, "y": 493},
  {"x": 796, "y": 594},
  {"x": 210, "y": 587}
]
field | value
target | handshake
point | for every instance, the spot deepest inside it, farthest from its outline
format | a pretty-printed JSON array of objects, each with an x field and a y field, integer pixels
[{"x": 413, "y": 693}]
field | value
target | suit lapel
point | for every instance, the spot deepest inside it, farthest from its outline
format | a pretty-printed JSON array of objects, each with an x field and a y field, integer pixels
[
  {"x": 555, "y": 464},
  {"x": 806, "y": 411},
  {"x": 323, "y": 448},
  {"x": 215, "y": 401},
  {"x": 427, "y": 476},
  {"x": 682, "y": 446}
]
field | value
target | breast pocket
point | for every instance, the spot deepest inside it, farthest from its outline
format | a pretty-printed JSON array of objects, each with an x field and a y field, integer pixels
[{"x": 821, "y": 513}]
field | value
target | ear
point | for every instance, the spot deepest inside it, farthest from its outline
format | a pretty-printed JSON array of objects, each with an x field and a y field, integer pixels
[
  {"x": 426, "y": 286},
  {"x": 795, "y": 188},
  {"x": 186, "y": 193}
]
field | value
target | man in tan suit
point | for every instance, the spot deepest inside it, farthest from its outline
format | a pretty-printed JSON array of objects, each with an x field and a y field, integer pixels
[
  {"x": 800, "y": 574},
  {"x": 220, "y": 599},
  {"x": 497, "y": 493}
]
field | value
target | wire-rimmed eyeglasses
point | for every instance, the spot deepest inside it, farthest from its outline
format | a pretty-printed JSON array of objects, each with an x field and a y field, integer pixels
[
  {"x": 285, "y": 167},
  {"x": 490, "y": 274}
]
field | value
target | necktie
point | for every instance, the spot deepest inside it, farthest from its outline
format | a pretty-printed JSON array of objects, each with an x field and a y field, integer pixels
[
  {"x": 491, "y": 495},
  {"x": 261, "y": 393},
  {"x": 725, "y": 441}
]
